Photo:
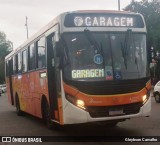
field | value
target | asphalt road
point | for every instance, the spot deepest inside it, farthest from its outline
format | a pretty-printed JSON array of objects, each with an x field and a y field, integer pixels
[{"x": 13, "y": 125}]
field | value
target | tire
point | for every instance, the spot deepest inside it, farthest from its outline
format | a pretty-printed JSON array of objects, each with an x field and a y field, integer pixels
[
  {"x": 46, "y": 114},
  {"x": 157, "y": 97},
  {"x": 47, "y": 117},
  {"x": 18, "y": 109}
]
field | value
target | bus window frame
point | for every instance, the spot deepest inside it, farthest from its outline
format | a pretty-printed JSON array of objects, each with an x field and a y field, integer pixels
[
  {"x": 36, "y": 51},
  {"x": 19, "y": 62},
  {"x": 26, "y": 60},
  {"x": 35, "y": 64}
]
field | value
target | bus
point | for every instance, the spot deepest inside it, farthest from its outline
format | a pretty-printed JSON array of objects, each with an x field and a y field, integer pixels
[{"x": 85, "y": 66}]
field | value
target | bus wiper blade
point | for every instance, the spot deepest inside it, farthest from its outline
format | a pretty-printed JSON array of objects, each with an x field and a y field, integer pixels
[
  {"x": 66, "y": 51},
  {"x": 97, "y": 47},
  {"x": 92, "y": 40},
  {"x": 125, "y": 48}
]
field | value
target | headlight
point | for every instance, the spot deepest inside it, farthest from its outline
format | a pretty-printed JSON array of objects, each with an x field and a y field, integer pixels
[
  {"x": 81, "y": 104},
  {"x": 77, "y": 102},
  {"x": 146, "y": 97}
]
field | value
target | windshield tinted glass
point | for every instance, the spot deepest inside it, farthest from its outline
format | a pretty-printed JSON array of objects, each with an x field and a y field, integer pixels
[{"x": 105, "y": 56}]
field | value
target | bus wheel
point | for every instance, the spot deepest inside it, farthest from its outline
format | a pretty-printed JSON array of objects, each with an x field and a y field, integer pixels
[
  {"x": 18, "y": 109},
  {"x": 46, "y": 115},
  {"x": 157, "y": 97}
]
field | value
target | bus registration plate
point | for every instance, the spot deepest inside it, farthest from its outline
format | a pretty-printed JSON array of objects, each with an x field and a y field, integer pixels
[{"x": 116, "y": 112}]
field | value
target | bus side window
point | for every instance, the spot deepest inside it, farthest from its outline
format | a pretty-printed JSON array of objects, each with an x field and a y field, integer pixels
[
  {"x": 11, "y": 66},
  {"x": 15, "y": 64},
  {"x": 24, "y": 61},
  {"x": 32, "y": 57},
  {"x": 7, "y": 68},
  {"x": 41, "y": 53},
  {"x": 19, "y": 62}
]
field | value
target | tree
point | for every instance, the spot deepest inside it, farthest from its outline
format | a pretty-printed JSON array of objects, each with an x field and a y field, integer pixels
[
  {"x": 151, "y": 12},
  {"x": 5, "y": 48}
]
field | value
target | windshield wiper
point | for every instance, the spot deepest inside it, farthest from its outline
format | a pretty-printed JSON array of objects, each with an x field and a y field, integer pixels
[
  {"x": 92, "y": 41},
  {"x": 97, "y": 47},
  {"x": 65, "y": 52},
  {"x": 126, "y": 46},
  {"x": 128, "y": 43}
]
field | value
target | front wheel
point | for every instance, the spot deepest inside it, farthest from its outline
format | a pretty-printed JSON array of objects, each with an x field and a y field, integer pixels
[
  {"x": 18, "y": 109},
  {"x": 46, "y": 115},
  {"x": 157, "y": 97}
]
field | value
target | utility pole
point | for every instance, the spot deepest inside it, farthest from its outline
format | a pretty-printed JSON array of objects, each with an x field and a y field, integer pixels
[
  {"x": 26, "y": 26},
  {"x": 119, "y": 5}
]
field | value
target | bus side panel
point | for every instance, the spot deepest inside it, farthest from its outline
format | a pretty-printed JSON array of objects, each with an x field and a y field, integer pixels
[
  {"x": 40, "y": 89},
  {"x": 31, "y": 87},
  {"x": 16, "y": 85},
  {"x": 24, "y": 99}
]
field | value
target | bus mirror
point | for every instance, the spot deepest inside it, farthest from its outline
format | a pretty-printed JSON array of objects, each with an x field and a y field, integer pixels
[{"x": 59, "y": 49}]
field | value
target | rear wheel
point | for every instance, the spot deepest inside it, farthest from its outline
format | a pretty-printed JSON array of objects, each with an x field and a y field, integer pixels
[{"x": 157, "y": 97}]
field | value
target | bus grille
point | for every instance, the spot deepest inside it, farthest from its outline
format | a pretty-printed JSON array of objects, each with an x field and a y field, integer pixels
[
  {"x": 109, "y": 87},
  {"x": 103, "y": 111}
]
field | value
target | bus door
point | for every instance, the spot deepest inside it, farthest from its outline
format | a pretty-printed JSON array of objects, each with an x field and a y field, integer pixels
[
  {"x": 10, "y": 72},
  {"x": 53, "y": 77}
]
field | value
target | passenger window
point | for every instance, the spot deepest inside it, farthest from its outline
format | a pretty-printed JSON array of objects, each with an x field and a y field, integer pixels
[
  {"x": 11, "y": 66},
  {"x": 15, "y": 66},
  {"x": 7, "y": 68},
  {"x": 19, "y": 62},
  {"x": 41, "y": 51},
  {"x": 24, "y": 61},
  {"x": 32, "y": 57}
]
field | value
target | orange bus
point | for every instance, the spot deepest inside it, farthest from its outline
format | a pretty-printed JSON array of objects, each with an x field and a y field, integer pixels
[{"x": 84, "y": 66}]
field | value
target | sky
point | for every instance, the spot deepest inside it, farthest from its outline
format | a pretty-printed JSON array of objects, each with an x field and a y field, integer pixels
[{"x": 40, "y": 12}]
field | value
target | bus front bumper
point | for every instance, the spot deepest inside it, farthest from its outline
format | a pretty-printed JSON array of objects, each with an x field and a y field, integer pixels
[{"x": 75, "y": 115}]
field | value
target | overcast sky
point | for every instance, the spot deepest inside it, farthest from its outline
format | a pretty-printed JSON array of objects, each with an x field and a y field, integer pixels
[{"x": 40, "y": 12}]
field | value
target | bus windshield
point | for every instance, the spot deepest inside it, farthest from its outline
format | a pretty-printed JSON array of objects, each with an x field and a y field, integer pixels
[{"x": 105, "y": 56}]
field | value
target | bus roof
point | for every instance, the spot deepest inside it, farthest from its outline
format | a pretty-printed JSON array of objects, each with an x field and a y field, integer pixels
[{"x": 57, "y": 20}]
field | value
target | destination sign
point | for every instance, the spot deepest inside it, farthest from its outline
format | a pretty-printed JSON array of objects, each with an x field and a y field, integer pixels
[
  {"x": 103, "y": 20},
  {"x": 88, "y": 73}
]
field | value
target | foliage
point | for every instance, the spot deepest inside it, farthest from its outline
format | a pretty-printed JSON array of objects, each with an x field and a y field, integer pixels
[
  {"x": 151, "y": 12},
  {"x": 5, "y": 48}
]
